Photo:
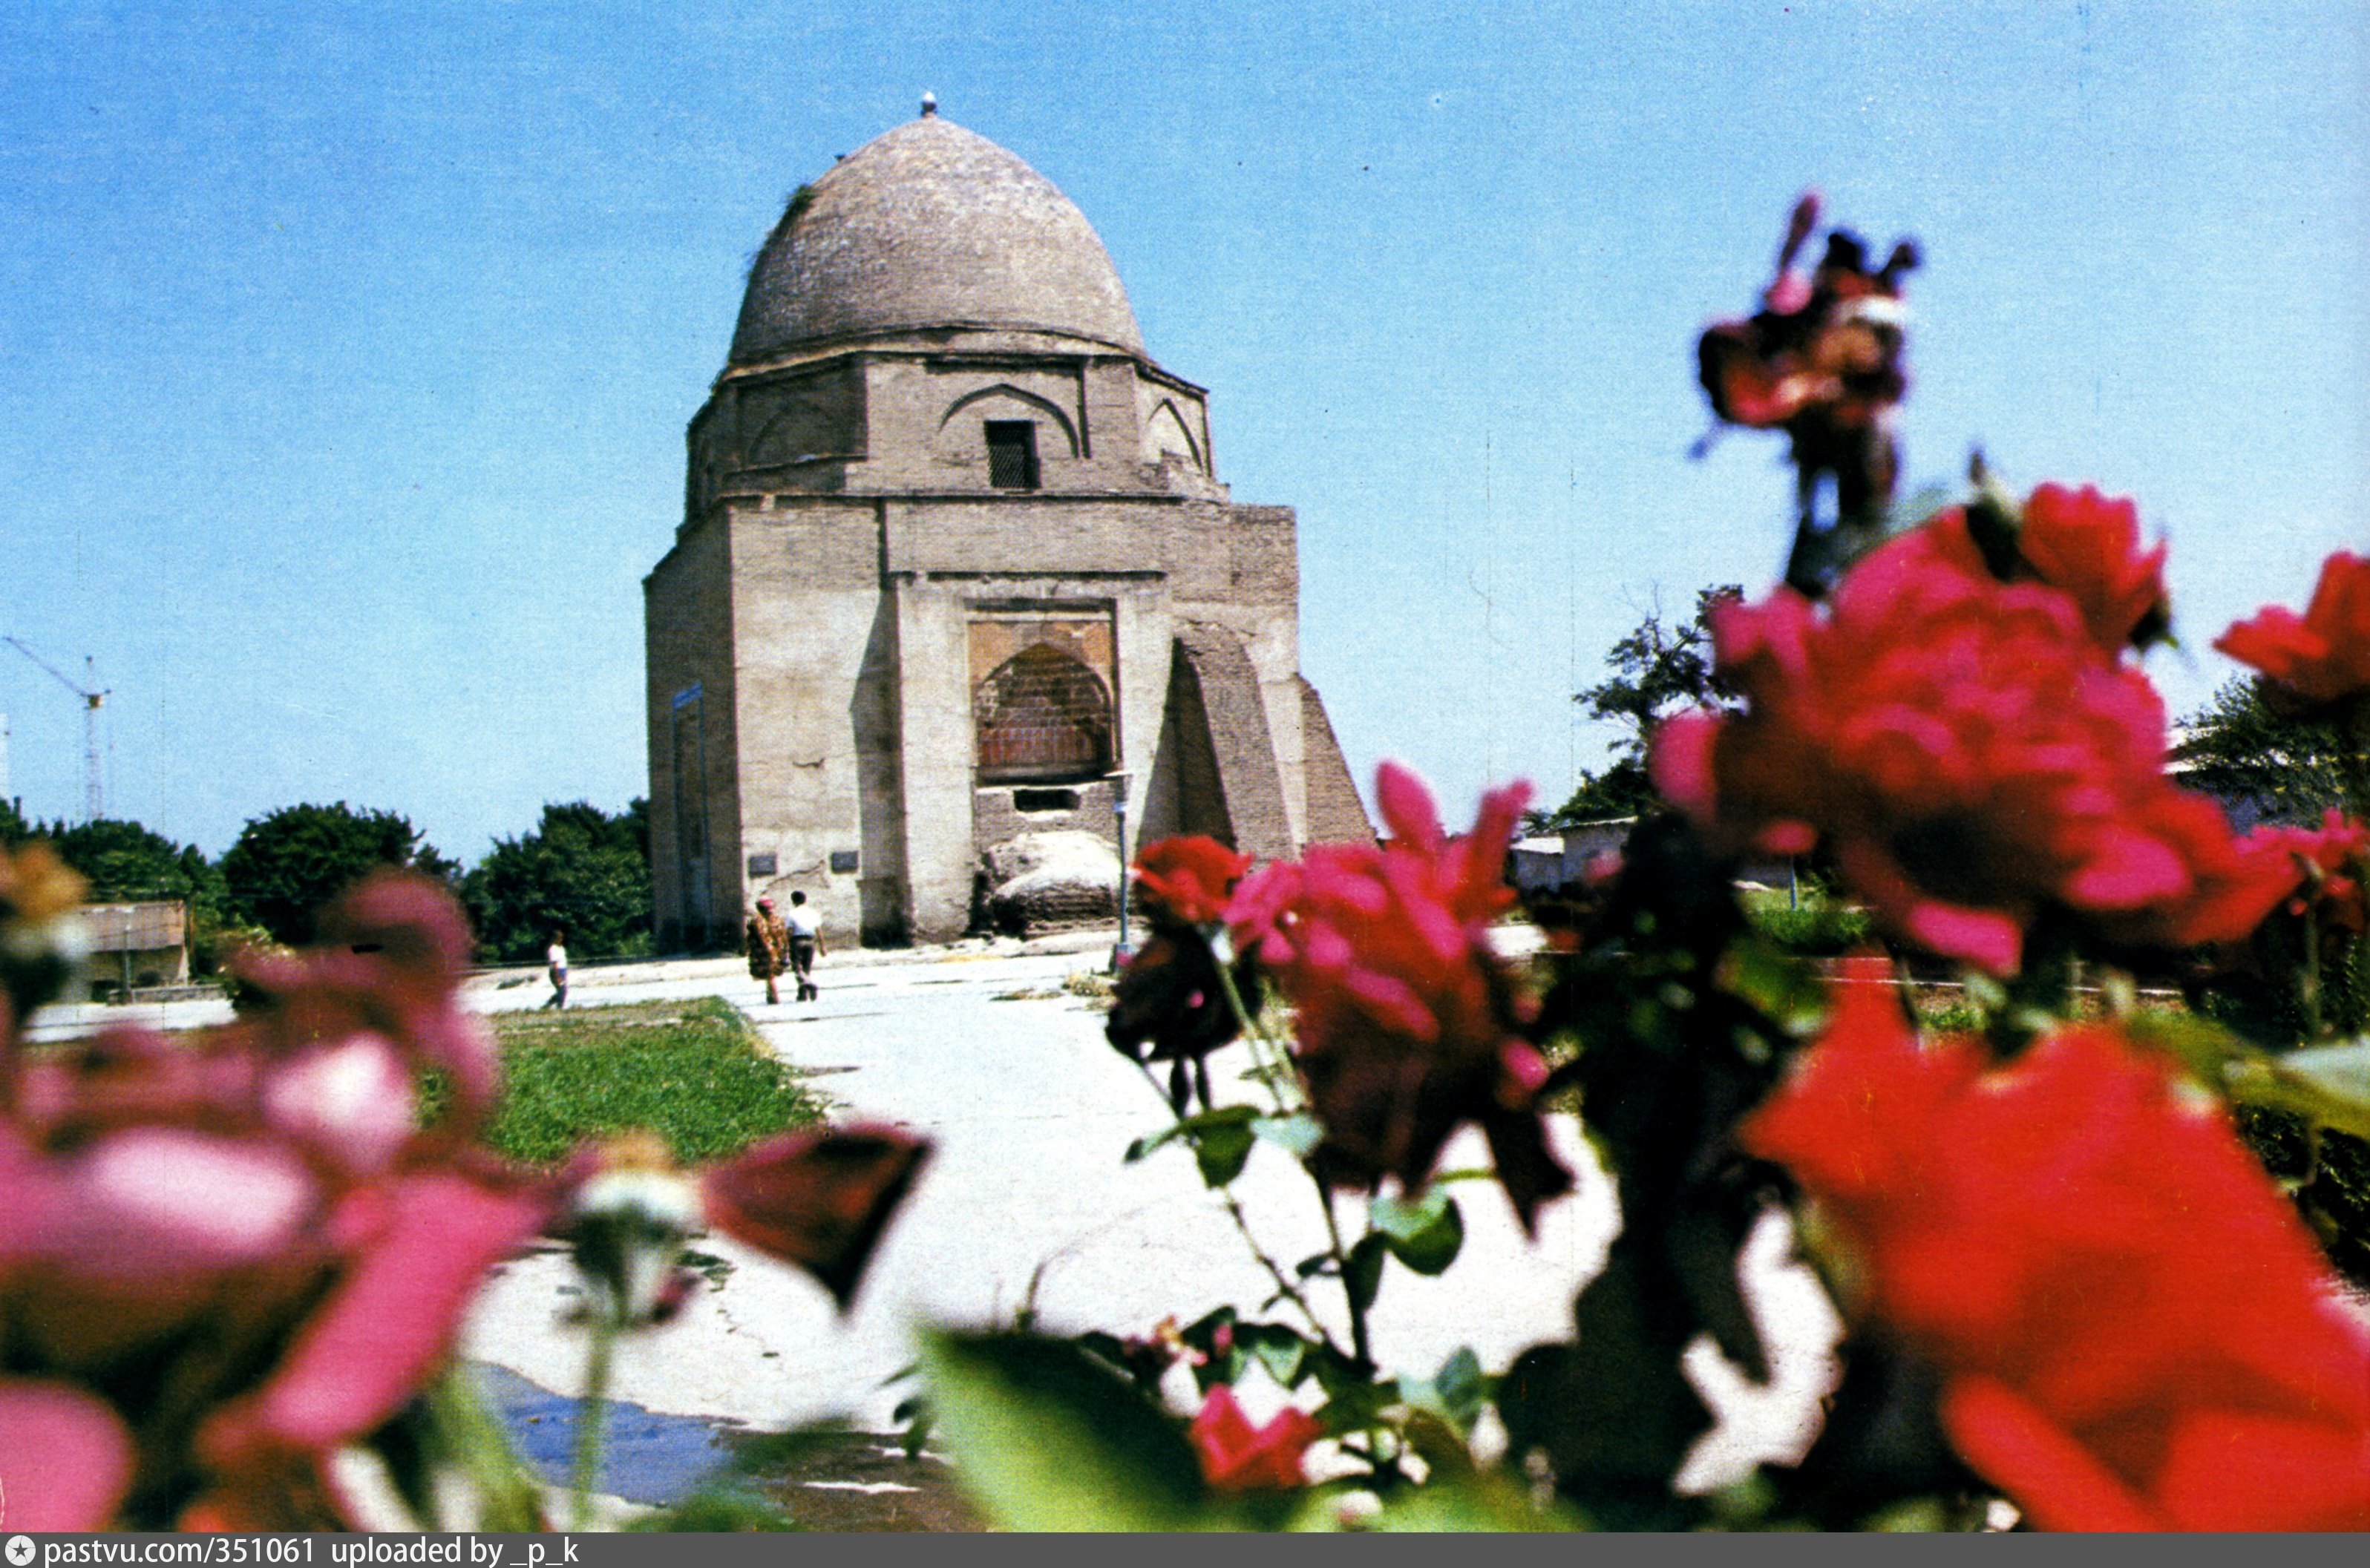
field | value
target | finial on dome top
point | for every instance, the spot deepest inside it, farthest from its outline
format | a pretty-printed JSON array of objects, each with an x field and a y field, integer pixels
[{"x": 929, "y": 105}]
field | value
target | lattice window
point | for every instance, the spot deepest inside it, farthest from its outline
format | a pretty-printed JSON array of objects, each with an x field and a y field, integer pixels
[
  {"x": 1041, "y": 717},
  {"x": 1012, "y": 455}
]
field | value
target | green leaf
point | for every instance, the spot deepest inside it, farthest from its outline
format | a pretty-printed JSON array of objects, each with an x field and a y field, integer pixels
[
  {"x": 1045, "y": 1438},
  {"x": 2341, "y": 1072},
  {"x": 1221, "y": 1140},
  {"x": 1298, "y": 1134},
  {"x": 1362, "y": 1273},
  {"x": 1425, "y": 1232},
  {"x": 1221, "y": 1150},
  {"x": 1458, "y": 1390},
  {"x": 1280, "y": 1349},
  {"x": 2328, "y": 1085},
  {"x": 1468, "y": 1504}
]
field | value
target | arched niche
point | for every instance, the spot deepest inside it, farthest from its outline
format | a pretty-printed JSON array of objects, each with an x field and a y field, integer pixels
[
  {"x": 1166, "y": 434},
  {"x": 962, "y": 429},
  {"x": 1041, "y": 717}
]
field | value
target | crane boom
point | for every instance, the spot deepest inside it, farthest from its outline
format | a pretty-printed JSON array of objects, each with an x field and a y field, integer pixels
[{"x": 94, "y": 791}]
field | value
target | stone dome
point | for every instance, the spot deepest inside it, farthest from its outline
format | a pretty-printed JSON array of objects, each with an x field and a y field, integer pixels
[{"x": 930, "y": 226}]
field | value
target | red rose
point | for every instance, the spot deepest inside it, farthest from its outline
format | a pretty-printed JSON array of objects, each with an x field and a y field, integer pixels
[
  {"x": 2336, "y": 853},
  {"x": 2087, "y": 547},
  {"x": 1239, "y": 1457},
  {"x": 2135, "y": 1331},
  {"x": 1969, "y": 753},
  {"x": 2325, "y": 656},
  {"x": 1188, "y": 879},
  {"x": 1407, "y": 1021}
]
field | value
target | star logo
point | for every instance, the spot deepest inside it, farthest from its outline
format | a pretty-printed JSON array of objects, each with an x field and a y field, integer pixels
[{"x": 20, "y": 1549}]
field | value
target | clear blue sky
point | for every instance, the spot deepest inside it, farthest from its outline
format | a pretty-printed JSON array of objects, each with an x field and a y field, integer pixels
[{"x": 345, "y": 351}]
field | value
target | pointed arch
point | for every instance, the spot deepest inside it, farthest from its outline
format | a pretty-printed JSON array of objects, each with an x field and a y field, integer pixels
[
  {"x": 1041, "y": 717},
  {"x": 1166, "y": 431},
  {"x": 1010, "y": 401}
]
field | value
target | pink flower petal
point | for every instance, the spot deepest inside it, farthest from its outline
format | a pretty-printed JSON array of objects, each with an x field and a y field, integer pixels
[
  {"x": 1407, "y": 807},
  {"x": 65, "y": 1459},
  {"x": 387, "y": 1325}
]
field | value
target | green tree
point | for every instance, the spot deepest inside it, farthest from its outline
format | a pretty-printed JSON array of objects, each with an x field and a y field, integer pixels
[
  {"x": 1657, "y": 671},
  {"x": 288, "y": 864},
  {"x": 582, "y": 871},
  {"x": 2261, "y": 764},
  {"x": 125, "y": 860}
]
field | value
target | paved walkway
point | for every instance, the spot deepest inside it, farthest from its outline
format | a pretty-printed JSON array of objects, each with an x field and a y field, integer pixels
[{"x": 1032, "y": 1112}]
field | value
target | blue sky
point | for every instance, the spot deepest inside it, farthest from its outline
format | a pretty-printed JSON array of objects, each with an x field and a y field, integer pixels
[{"x": 345, "y": 351}]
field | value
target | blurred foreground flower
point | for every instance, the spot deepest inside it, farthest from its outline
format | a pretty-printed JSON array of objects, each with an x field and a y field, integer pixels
[
  {"x": 1408, "y": 1022},
  {"x": 221, "y": 1260},
  {"x": 2324, "y": 656},
  {"x": 227, "y": 1257},
  {"x": 1970, "y": 755},
  {"x": 2137, "y": 1331}
]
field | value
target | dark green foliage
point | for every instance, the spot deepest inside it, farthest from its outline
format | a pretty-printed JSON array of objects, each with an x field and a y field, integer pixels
[
  {"x": 2245, "y": 754},
  {"x": 124, "y": 859},
  {"x": 694, "y": 1072},
  {"x": 1675, "y": 1019},
  {"x": 1656, "y": 671},
  {"x": 14, "y": 829},
  {"x": 288, "y": 864},
  {"x": 582, "y": 871}
]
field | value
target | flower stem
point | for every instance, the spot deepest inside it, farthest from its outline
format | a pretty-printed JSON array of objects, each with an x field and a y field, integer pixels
[
  {"x": 1286, "y": 1286},
  {"x": 1359, "y": 1344},
  {"x": 1272, "y": 1062},
  {"x": 592, "y": 1417}
]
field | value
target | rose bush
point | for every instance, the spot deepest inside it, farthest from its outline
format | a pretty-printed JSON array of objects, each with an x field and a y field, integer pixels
[{"x": 1969, "y": 755}]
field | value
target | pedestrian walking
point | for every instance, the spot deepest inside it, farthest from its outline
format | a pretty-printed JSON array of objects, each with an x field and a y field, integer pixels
[
  {"x": 555, "y": 959},
  {"x": 769, "y": 944},
  {"x": 805, "y": 946}
]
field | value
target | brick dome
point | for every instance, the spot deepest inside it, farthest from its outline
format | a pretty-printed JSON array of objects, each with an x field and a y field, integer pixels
[{"x": 931, "y": 227}]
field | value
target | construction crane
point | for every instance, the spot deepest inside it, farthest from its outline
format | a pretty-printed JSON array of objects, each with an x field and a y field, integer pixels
[{"x": 94, "y": 791}]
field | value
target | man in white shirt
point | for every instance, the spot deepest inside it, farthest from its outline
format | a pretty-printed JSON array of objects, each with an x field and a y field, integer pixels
[
  {"x": 806, "y": 944},
  {"x": 555, "y": 958}
]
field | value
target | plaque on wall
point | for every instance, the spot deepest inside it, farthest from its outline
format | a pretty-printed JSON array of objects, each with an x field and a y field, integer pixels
[
  {"x": 842, "y": 863},
  {"x": 760, "y": 865}
]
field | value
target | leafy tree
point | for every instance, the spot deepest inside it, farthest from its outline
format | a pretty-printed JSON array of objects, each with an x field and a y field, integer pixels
[
  {"x": 125, "y": 860},
  {"x": 2261, "y": 764},
  {"x": 1656, "y": 671},
  {"x": 290, "y": 862},
  {"x": 582, "y": 871},
  {"x": 14, "y": 829}
]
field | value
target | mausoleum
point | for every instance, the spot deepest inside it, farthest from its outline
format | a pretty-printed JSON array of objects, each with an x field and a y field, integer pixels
[{"x": 955, "y": 568}]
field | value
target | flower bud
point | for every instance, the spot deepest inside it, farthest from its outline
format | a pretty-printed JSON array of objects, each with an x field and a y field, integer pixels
[{"x": 629, "y": 1226}]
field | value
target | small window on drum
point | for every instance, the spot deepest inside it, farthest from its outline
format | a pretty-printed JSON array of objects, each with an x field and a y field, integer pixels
[{"x": 1012, "y": 455}]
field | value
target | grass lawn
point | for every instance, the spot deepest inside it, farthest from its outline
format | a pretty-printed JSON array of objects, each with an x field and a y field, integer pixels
[{"x": 695, "y": 1072}]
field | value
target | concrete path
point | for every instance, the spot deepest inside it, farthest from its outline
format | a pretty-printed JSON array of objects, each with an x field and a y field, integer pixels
[{"x": 1032, "y": 1112}]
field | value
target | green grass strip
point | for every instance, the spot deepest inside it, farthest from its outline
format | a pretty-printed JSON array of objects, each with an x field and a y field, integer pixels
[{"x": 695, "y": 1072}]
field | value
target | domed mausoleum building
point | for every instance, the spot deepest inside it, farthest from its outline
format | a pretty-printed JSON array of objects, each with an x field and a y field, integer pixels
[{"x": 955, "y": 566}]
